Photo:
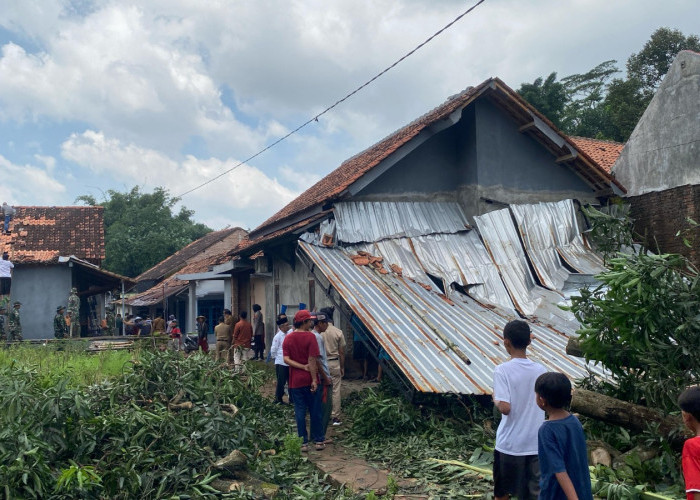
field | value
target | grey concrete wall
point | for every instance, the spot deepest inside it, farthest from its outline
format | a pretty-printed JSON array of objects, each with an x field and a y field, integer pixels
[
  {"x": 663, "y": 151},
  {"x": 40, "y": 289}
]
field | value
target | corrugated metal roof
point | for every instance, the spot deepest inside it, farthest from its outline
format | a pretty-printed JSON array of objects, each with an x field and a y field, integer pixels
[
  {"x": 503, "y": 244},
  {"x": 368, "y": 221},
  {"x": 462, "y": 258},
  {"x": 570, "y": 244},
  {"x": 428, "y": 336},
  {"x": 536, "y": 225}
]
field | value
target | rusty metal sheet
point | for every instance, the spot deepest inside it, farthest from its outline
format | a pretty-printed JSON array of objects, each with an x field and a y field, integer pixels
[
  {"x": 368, "y": 221},
  {"x": 462, "y": 258},
  {"x": 412, "y": 323},
  {"x": 536, "y": 226},
  {"x": 502, "y": 241},
  {"x": 570, "y": 243}
]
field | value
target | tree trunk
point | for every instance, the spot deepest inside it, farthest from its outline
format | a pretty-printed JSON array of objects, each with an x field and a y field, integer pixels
[{"x": 628, "y": 415}]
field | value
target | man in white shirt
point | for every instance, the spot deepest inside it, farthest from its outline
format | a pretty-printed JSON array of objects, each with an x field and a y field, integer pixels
[
  {"x": 516, "y": 469},
  {"x": 281, "y": 368},
  {"x": 6, "y": 266}
]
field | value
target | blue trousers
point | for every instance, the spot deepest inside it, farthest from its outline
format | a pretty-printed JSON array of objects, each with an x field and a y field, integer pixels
[
  {"x": 305, "y": 400},
  {"x": 8, "y": 218}
]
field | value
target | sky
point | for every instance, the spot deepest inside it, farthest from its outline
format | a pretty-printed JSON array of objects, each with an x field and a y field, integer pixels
[{"x": 99, "y": 95}]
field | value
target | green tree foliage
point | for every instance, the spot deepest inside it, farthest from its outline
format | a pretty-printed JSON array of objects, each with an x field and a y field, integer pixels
[
  {"x": 595, "y": 104},
  {"x": 141, "y": 229},
  {"x": 650, "y": 65},
  {"x": 643, "y": 322},
  {"x": 548, "y": 96}
]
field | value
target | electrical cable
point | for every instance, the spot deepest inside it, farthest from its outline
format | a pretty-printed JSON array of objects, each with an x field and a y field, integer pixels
[{"x": 336, "y": 103}]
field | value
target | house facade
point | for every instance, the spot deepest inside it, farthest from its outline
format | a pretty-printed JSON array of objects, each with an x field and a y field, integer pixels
[
  {"x": 55, "y": 249},
  {"x": 660, "y": 163},
  {"x": 433, "y": 207}
]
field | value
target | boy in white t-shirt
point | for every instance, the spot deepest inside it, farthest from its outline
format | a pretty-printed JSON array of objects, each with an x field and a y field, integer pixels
[{"x": 515, "y": 466}]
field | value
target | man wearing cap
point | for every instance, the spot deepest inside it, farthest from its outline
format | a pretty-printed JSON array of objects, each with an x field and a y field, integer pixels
[
  {"x": 223, "y": 340},
  {"x": 60, "y": 328},
  {"x": 334, "y": 341},
  {"x": 300, "y": 351},
  {"x": 6, "y": 267},
  {"x": 14, "y": 328},
  {"x": 281, "y": 368},
  {"x": 325, "y": 392}
]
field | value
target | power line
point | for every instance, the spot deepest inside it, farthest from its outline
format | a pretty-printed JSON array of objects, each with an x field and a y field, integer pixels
[{"x": 336, "y": 103}]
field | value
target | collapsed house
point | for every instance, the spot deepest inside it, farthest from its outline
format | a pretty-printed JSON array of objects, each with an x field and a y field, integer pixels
[
  {"x": 431, "y": 240},
  {"x": 55, "y": 249}
]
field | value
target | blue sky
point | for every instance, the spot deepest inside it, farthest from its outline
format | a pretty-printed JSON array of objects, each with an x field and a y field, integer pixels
[{"x": 98, "y": 95}]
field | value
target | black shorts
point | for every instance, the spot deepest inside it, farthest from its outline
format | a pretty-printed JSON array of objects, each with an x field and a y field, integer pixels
[
  {"x": 518, "y": 476},
  {"x": 5, "y": 286}
]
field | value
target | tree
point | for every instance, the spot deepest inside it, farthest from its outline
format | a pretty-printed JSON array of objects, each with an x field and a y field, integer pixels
[
  {"x": 548, "y": 96},
  {"x": 643, "y": 322},
  {"x": 596, "y": 106},
  {"x": 141, "y": 228},
  {"x": 650, "y": 65}
]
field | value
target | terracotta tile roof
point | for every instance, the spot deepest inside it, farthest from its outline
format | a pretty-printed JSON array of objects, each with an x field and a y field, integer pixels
[
  {"x": 332, "y": 186},
  {"x": 215, "y": 254},
  {"x": 249, "y": 246},
  {"x": 39, "y": 235},
  {"x": 209, "y": 244},
  {"x": 604, "y": 153}
]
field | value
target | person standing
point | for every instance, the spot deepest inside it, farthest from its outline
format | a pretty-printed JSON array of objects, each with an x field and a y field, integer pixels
[
  {"x": 60, "y": 328},
  {"x": 242, "y": 337},
  {"x": 300, "y": 352},
  {"x": 74, "y": 310},
  {"x": 258, "y": 333},
  {"x": 325, "y": 392},
  {"x": 334, "y": 341},
  {"x": 158, "y": 325},
  {"x": 14, "y": 327},
  {"x": 109, "y": 319},
  {"x": 281, "y": 368},
  {"x": 516, "y": 469},
  {"x": 3, "y": 314},
  {"x": 119, "y": 323},
  {"x": 202, "y": 331},
  {"x": 223, "y": 340},
  {"x": 6, "y": 266},
  {"x": 9, "y": 213},
  {"x": 175, "y": 336}
]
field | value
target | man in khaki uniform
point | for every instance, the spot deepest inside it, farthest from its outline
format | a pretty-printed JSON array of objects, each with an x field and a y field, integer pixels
[
  {"x": 334, "y": 341},
  {"x": 223, "y": 340}
]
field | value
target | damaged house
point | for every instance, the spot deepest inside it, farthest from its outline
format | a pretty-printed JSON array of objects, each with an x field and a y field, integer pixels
[
  {"x": 54, "y": 249},
  {"x": 431, "y": 240}
]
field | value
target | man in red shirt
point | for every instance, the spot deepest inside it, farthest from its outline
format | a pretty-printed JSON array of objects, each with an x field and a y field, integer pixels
[
  {"x": 300, "y": 351},
  {"x": 242, "y": 335}
]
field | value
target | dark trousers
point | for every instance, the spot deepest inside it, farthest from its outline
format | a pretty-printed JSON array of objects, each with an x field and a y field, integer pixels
[
  {"x": 259, "y": 348},
  {"x": 282, "y": 373},
  {"x": 305, "y": 400}
]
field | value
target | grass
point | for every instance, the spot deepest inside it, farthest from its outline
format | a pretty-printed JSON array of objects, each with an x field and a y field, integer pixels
[{"x": 70, "y": 362}]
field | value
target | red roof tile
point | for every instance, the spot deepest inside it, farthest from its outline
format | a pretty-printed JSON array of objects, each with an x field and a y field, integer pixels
[
  {"x": 335, "y": 183},
  {"x": 39, "y": 235},
  {"x": 209, "y": 244},
  {"x": 604, "y": 153}
]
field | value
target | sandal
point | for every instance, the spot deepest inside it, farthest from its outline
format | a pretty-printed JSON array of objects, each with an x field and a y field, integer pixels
[
  {"x": 305, "y": 448},
  {"x": 320, "y": 446}
]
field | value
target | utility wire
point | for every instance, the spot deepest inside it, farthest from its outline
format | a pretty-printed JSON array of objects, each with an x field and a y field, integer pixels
[{"x": 336, "y": 103}]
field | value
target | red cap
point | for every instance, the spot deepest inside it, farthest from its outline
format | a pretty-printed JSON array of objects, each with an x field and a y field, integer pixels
[{"x": 302, "y": 316}]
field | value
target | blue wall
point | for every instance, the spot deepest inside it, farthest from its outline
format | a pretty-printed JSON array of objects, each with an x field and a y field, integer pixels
[{"x": 40, "y": 289}]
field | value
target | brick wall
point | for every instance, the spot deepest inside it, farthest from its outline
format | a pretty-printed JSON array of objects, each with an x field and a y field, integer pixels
[{"x": 660, "y": 215}]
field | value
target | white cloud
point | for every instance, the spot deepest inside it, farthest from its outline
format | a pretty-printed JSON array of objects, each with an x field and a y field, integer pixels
[
  {"x": 245, "y": 189},
  {"x": 29, "y": 185}
]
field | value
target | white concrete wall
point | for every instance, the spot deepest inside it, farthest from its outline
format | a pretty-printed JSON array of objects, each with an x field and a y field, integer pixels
[{"x": 664, "y": 149}]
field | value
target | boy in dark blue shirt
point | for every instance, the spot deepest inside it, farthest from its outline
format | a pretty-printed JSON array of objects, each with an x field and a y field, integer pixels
[{"x": 562, "y": 452}]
